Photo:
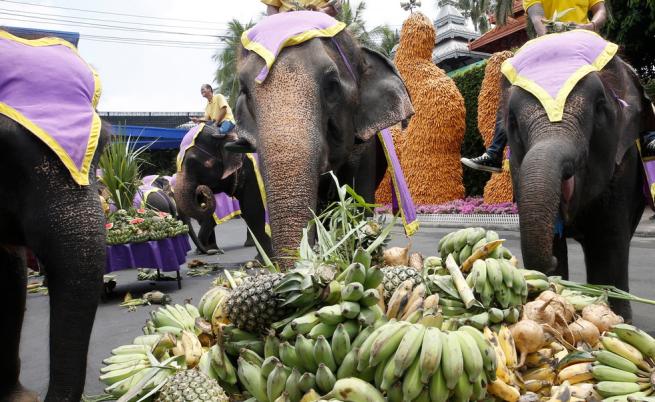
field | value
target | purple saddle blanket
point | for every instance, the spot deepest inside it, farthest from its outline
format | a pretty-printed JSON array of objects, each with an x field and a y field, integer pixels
[{"x": 46, "y": 87}]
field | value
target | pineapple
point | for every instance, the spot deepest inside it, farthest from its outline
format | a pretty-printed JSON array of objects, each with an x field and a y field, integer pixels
[
  {"x": 191, "y": 385},
  {"x": 394, "y": 276},
  {"x": 253, "y": 306}
]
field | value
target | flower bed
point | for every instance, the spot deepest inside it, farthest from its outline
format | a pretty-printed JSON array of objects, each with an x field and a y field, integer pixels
[{"x": 467, "y": 206}]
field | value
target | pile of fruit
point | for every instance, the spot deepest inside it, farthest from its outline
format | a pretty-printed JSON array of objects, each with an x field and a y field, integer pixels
[
  {"x": 142, "y": 225},
  {"x": 465, "y": 325}
]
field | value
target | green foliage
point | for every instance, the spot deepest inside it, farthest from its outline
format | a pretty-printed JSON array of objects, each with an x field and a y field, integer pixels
[
  {"x": 159, "y": 161},
  {"x": 469, "y": 84},
  {"x": 650, "y": 89},
  {"x": 226, "y": 57},
  {"x": 121, "y": 164},
  {"x": 632, "y": 25}
]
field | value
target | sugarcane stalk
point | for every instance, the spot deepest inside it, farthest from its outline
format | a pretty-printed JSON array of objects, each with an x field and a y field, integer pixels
[{"x": 465, "y": 292}]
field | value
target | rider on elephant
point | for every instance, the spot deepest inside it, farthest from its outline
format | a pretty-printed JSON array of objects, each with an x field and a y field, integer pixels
[
  {"x": 575, "y": 13},
  {"x": 217, "y": 111},
  {"x": 279, "y": 6}
]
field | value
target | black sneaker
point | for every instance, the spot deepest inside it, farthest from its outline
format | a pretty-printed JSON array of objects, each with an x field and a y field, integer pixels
[
  {"x": 484, "y": 162},
  {"x": 649, "y": 150}
]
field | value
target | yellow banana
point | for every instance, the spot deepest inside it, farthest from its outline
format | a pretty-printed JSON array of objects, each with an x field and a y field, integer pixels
[
  {"x": 545, "y": 373},
  {"x": 576, "y": 373},
  {"x": 507, "y": 344},
  {"x": 626, "y": 350},
  {"x": 192, "y": 348},
  {"x": 503, "y": 391},
  {"x": 502, "y": 371},
  {"x": 399, "y": 297}
]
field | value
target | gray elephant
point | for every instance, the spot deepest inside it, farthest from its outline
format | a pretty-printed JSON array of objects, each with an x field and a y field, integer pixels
[
  {"x": 581, "y": 173},
  {"x": 44, "y": 209},
  {"x": 317, "y": 111},
  {"x": 208, "y": 169}
]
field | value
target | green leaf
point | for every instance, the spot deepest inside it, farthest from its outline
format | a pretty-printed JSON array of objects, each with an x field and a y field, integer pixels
[{"x": 268, "y": 264}]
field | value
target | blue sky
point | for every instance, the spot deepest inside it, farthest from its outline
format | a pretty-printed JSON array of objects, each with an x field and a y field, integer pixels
[{"x": 156, "y": 78}]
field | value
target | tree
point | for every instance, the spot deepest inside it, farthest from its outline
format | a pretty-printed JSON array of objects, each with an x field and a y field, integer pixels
[
  {"x": 632, "y": 26},
  {"x": 386, "y": 39},
  {"x": 226, "y": 57},
  {"x": 476, "y": 10},
  {"x": 503, "y": 10},
  {"x": 354, "y": 20}
]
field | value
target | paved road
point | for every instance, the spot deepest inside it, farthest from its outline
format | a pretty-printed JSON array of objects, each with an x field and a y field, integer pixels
[{"x": 116, "y": 326}]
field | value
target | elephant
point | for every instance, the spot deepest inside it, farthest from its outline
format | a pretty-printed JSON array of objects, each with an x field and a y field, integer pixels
[
  {"x": 207, "y": 169},
  {"x": 62, "y": 222},
  {"x": 585, "y": 169},
  {"x": 317, "y": 111}
]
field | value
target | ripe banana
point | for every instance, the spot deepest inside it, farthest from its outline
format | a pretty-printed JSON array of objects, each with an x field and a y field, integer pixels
[
  {"x": 626, "y": 350},
  {"x": 192, "y": 348},
  {"x": 396, "y": 300},
  {"x": 502, "y": 371},
  {"x": 503, "y": 391},
  {"x": 636, "y": 337},
  {"x": 576, "y": 373},
  {"x": 506, "y": 342}
]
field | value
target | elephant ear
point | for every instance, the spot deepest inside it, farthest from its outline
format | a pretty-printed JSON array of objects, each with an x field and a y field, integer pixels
[
  {"x": 383, "y": 100},
  {"x": 638, "y": 115}
]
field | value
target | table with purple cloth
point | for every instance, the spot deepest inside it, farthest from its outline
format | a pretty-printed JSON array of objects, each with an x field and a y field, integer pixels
[{"x": 163, "y": 255}]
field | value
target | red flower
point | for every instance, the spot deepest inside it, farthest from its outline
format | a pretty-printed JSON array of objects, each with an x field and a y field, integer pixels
[{"x": 136, "y": 221}]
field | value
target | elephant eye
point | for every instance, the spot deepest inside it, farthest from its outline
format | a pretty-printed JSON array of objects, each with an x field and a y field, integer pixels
[{"x": 331, "y": 88}]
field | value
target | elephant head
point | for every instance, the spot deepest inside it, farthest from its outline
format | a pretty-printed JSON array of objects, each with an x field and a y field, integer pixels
[
  {"x": 316, "y": 111},
  {"x": 561, "y": 168},
  {"x": 206, "y": 168}
]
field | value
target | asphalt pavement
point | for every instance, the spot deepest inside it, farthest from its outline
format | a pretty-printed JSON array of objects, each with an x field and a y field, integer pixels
[{"x": 116, "y": 326}]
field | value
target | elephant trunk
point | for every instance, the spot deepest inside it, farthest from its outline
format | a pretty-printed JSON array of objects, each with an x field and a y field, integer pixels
[
  {"x": 193, "y": 200},
  {"x": 545, "y": 182},
  {"x": 291, "y": 154}
]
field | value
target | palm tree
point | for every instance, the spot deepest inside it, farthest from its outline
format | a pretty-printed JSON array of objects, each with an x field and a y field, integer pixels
[
  {"x": 354, "y": 20},
  {"x": 386, "y": 39},
  {"x": 226, "y": 57},
  {"x": 503, "y": 9}
]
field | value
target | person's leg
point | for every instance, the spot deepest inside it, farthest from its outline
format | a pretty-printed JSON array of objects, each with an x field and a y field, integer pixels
[
  {"x": 492, "y": 159},
  {"x": 225, "y": 127}
]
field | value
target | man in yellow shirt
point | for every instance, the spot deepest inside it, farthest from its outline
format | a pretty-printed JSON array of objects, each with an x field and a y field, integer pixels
[
  {"x": 330, "y": 7},
  {"x": 578, "y": 13},
  {"x": 217, "y": 111},
  {"x": 540, "y": 11}
]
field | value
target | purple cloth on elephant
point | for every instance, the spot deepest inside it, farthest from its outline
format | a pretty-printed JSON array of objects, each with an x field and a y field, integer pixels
[
  {"x": 401, "y": 198},
  {"x": 226, "y": 208},
  {"x": 275, "y": 32},
  {"x": 46, "y": 87},
  {"x": 166, "y": 254},
  {"x": 549, "y": 67},
  {"x": 188, "y": 141},
  {"x": 141, "y": 196}
]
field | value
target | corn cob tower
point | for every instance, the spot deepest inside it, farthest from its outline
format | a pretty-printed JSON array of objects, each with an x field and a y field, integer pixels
[
  {"x": 499, "y": 187},
  {"x": 431, "y": 149}
]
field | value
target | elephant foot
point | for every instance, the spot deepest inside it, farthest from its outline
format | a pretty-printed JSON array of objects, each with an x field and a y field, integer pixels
[
  {"x": 622, "y": 308},
  {"x": 213, "y": 251},
  {"x": 249, "y": 243},
  {"x": 19, "y": 394}
]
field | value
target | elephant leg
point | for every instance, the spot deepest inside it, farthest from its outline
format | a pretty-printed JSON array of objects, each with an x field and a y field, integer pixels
[
  {"x": 561, "y": 252},
  {"x": 207, "y": 237},
  {"x": 12, "y": 294},
  {"x": 73, "y": 252},
  {"x": 249, "y": 241}
]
